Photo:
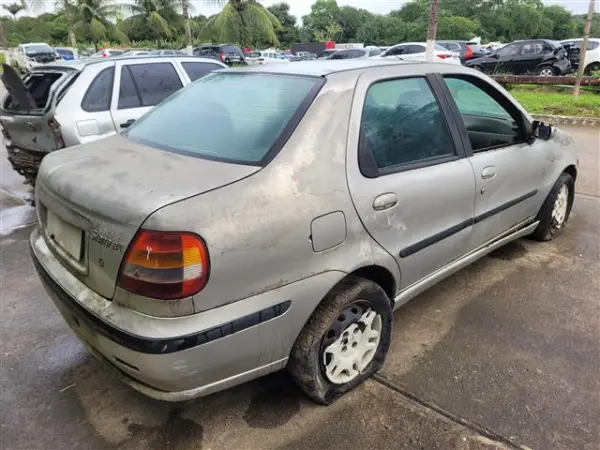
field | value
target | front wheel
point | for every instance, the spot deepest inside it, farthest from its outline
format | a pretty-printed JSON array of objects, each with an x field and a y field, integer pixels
[
  {"x": 591, "y": 68},
  {"x": 556, "y": 209},
  {"x": 344, "y": 342},
  {"x": 545, "y": 71}
]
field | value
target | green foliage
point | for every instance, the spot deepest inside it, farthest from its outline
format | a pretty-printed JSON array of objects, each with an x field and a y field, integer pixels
[
  {"x": 243, "y": 22},
  {"x": 159, "y": 23},
  {"x": 380, "y": 30},
  {"x": 14, "y": 8},
  {"x": 288, "y": 33},
  {"x": 455, "y": 27}
]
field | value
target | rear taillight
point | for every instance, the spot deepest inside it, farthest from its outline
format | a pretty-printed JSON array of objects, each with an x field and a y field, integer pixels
[
  {"x": 165, "y": 265},
  {"x": 222, "y": 56},
  {"x": 469, "y": 53},
  {"x": 443, "y": 56},
  {"x": 55, "y": 127}
]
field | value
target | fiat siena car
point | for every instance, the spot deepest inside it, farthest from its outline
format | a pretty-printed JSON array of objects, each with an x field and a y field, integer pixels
[{"x": 275, "y": 216}]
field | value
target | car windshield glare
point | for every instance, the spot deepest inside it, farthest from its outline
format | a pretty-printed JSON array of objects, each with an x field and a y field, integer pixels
[
  {"x": 231, "y": 117},
  {"x": 34, "y": 49}
]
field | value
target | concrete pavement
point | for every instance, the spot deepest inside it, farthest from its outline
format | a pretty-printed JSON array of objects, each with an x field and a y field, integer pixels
[{"x": 504, "y": 353}]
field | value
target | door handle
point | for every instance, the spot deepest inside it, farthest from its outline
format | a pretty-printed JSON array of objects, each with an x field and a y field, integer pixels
[
  {"x": 488, "y": 172},
  {"x": 385, "y": 201},
  {"x": 126, "y": 124}
]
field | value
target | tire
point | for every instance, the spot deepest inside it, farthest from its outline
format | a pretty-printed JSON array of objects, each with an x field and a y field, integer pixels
[
  {"x": 545, "y": 71},
  {"x": 593, "y": 67},
  {"x": 550, "y": 226},
  {"x": 342, "y": 311}
]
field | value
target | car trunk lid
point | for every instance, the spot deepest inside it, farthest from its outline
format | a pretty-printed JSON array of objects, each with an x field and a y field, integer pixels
[
  {"x": 92, "y": 200},
  {"x": 26, "y": 114}
]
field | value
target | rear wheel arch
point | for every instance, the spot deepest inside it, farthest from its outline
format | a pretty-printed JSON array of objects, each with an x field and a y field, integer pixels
[
  {"x": 571, "y": 170},
  {"x": 380, "y": 276}
]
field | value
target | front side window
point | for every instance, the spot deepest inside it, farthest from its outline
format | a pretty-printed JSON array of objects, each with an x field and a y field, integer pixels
[
  {"x": 402, "y": 124},
  {"x": 97, "y": 97},
  {"x": 509, "y": 50},
  {"x": 488, "y": 123},
  {"x": 233, "y": 117},
  {"x": 399, "y": 50},
  {"x": 417, "y": 49}
]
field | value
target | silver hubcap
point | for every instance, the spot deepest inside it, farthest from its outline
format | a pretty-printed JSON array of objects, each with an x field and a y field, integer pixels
[
  {"x": 561, "y": 204},
  {"x": 546, "y": 72},
  {"x": 354, "y": 349}
]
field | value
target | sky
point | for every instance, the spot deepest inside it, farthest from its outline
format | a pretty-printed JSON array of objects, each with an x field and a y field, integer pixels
[{"x": 300, "y": 8}]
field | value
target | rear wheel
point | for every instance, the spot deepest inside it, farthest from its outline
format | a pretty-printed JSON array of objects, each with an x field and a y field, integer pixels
[
  {"x": 344, "y": 342},
  {"x": 555, "y": 211},
  {"x": 545, "y": 71}
]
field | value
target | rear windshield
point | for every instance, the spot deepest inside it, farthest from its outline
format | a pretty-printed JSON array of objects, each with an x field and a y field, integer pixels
[
  {"x": 233, "y": 117},
  {"x": 38, "y": 85}
]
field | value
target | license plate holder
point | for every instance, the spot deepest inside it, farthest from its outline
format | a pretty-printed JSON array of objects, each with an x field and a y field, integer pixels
[{"x": 66, "y": 236}]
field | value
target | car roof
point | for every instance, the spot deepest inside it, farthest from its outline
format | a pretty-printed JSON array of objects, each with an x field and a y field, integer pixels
[
  {"x": 323, "y": 68},
  {"x": 80, "y": 65}
]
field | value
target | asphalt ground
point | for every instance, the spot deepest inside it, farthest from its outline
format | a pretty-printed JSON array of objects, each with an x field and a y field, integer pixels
[{"x": 505, "y": 353}]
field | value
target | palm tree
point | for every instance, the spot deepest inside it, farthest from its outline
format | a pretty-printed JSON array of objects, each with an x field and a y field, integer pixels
[
  {"x": 91, "y": 19},
  {"x": 243, "y": 22},
  {"x": 157, "y": 15},
  {"x": 65, "y": 7},
  {"x": 14, "y": 8}
]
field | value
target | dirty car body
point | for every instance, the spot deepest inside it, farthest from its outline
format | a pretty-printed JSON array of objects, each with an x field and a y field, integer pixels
[
  {"x": 76, "y": 102},
  {"x": 294, "y": 189}
]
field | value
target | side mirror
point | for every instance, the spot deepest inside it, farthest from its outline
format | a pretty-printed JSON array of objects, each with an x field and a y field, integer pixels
[
  {"x": 541, "y": 130},
  {"x": 127, "y": 124}
]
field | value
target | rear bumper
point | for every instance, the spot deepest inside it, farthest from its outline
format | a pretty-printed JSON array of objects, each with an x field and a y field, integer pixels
[{"x": 162, "y": 357}]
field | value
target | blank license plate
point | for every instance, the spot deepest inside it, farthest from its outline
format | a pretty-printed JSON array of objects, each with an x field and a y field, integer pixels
[{"x": 65, "y": 235}]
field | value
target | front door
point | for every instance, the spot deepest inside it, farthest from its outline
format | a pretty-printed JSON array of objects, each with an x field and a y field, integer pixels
[
  {"x": 410, "y": 183},
  {"x": 503, "y": 61},
  {"x": 139, "y": 86},
  {"x": 508, "y": 171},
  {"x": 531, "y": 55}
]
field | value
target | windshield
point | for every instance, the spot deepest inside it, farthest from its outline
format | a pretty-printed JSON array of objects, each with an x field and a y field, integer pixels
[
  {"x": 34, "y": 49},
  {"x": 233, "y": 117}
]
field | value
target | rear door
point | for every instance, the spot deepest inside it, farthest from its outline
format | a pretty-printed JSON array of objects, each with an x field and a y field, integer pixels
[
  {"x": 410, "y": 182},
  {"x": 508, "y": 171},
  {"x": 531, "y": 55},
  {"x": 140, "y": 87}
]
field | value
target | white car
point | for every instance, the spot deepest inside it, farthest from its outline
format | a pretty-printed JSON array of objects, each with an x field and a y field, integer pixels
[
  {"x": 34, "y": 54},
  {"x": 415, "y": 51},
  {"x": 266, "y": 57},
  {"x": 592, "y": 54}
]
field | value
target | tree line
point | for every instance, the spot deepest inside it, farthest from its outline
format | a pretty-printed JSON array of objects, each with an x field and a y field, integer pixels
[{"x": 174, "y": 23}]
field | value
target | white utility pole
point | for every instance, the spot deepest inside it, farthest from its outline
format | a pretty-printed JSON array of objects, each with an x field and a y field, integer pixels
[
  {"x": 583, "y": 51},
  {"x": 434, "y": 6}
]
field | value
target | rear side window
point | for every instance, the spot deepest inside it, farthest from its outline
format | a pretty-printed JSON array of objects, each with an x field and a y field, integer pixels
[
  {"x": 416, "y": 49},
  {"x": 402, "y": 124},
  {"x": 240, "y": 118},
  {"x": 197, "y": 70},
  {"x": 98, "y": 95},
  {"x": 147, "y": 84}
]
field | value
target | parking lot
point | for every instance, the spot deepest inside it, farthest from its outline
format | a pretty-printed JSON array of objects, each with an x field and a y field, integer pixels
[{"x": 504, "y": 353}]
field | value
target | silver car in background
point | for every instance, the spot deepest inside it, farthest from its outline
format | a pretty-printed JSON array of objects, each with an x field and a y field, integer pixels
[
  {"x": 275, "y": 216},
  {"x": 69, "y": 103}
]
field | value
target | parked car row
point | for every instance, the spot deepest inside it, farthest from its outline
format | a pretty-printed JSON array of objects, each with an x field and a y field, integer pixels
[
  {"x": 270, "y": 217},
  {"x": 61, "y": 105}
]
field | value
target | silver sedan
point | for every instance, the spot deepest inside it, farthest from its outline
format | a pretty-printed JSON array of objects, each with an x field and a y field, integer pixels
[{"x": 271, "y": 218}]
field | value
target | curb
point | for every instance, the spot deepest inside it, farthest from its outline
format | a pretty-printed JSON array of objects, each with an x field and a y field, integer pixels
[{"x": 569, "y": 120}]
